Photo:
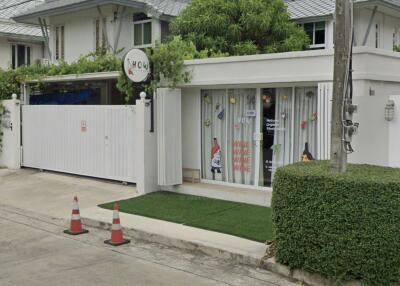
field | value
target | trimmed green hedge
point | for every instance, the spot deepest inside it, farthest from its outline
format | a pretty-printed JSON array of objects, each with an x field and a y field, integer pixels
[{"x": 343, "y": 226}]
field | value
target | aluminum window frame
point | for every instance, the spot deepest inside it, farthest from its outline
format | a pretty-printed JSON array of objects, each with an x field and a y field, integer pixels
[
  {"x": 14, "y": 54},
  {"x": 142, "y": 22}
]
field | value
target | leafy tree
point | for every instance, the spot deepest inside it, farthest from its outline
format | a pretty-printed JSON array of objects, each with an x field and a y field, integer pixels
[{"x": 239, "y": 27}]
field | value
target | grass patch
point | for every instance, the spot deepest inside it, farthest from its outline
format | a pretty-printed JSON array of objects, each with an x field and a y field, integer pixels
[{"x": 243, "y": 220}]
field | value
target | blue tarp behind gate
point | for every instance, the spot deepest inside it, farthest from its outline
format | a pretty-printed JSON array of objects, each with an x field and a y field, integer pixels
[{"x": 65, "y": 98}]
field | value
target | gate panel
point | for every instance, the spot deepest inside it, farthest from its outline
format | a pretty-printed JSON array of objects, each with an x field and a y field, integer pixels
[{"x": 96, "y": 141}]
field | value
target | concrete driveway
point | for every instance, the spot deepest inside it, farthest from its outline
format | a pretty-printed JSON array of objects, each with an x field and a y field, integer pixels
[{"x": 51, "y": 193}]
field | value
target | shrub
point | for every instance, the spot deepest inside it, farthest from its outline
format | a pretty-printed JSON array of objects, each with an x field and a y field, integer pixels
[{"x": 344, "y": 226}]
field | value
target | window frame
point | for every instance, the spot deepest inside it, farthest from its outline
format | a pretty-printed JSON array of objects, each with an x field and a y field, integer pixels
[
  {"x": 312, "y": 45},
  {"x": 59, "y": 42},
  {"x": 142, "y": 22},
  {"x": 14, "y": 54},
  {"x": 377, "y": 36},
  {"x": 165, "y": 30}
]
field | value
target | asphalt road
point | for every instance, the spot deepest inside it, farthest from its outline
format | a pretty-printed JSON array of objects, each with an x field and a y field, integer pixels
[{"x": 34, "y": 251}]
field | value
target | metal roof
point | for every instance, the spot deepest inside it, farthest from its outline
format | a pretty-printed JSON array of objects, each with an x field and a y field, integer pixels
[
  {"x": 11, "y": 8},
  {"x": 8, "y": 27},
  {"x": 169, "y": 7},
  {"x": 18, "y": 29},
  {"x": 310, "y": 8},
  {"x": 298, "y": 9},
  {"x": 301, "y": 9},
  {"x": 164, "y": 7}
]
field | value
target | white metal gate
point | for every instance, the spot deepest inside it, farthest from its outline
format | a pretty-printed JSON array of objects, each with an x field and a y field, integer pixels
[{"x": 96, "y": 141}]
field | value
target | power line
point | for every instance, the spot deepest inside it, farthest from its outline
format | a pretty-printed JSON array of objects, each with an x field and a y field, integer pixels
[{"x": 15, "y": 5}]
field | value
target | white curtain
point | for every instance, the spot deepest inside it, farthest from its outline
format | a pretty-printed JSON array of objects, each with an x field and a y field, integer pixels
[
  {"x": 230, "y": 117},
  {"x": 241, "y": 127},
  {"x": 305, "y": 121},
  {"x": 213, "y": 126},
  {"x": 283, "y": 131}
]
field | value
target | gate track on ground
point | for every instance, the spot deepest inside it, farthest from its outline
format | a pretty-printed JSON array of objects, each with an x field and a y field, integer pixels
[{"x": 5, "y": 209}]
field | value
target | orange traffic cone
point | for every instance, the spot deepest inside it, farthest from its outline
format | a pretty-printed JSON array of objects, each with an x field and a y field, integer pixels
[
  {"x": 76, "y": 224},
  {"x": 117, "y": 237}
]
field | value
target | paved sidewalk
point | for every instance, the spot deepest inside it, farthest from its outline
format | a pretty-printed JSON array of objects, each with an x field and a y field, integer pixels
[
  {"x": 52, "y": 193},
  {"x": 212, "y": 243},
  {"x": 34, "y": 251}
]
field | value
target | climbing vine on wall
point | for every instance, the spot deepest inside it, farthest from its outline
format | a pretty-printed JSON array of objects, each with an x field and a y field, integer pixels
[
  {"x": 10, "y": 79},
  {"x": 167, "y": 61}
]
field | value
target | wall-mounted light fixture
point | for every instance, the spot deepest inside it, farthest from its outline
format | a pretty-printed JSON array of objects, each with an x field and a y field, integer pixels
[
  {"x": 389, "y": 110},
  {"x": 371, "y": 91}
]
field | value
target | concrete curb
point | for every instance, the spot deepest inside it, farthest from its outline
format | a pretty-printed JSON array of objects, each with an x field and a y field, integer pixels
[
  {"x": 178, "y": 243},
  {"x": 304, "y": 277}
]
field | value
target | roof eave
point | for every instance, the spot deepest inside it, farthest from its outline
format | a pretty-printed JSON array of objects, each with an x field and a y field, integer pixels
[
  {"x": 313, "y": 18},
  {"x": 370, "y": 3},
  {"x": 20, "y": 37},
  {"x": 32, "y": 17},
  {"x": 77, "y": 77}
]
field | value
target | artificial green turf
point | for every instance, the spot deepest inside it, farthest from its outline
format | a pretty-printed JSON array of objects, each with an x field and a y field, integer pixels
[{"x": 243, "y": 220}]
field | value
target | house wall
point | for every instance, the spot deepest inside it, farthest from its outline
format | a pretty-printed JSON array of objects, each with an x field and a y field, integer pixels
[
  {"x": 394, "y": 135},
  {"x": 387, "y": 26},
  {"x": 371, "y": 142},
  {"x": 375, "y": 81},
  {"x": 5, "y": 51},
  {"x": 80, "y": 31},
  {"x": 377, "y": 139}
]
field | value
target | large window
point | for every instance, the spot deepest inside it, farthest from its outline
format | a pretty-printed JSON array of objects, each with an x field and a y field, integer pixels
[
  {"x": 60, "y": 42},
  {"x": 316, "y": 33},
  {"x": 229, "y": 123},
  {"x": 164, "y": 31},
  {"x": 142, "y": 29},
  {"x": 247, "y": 135},
  {"x": 20, "y": 55}
]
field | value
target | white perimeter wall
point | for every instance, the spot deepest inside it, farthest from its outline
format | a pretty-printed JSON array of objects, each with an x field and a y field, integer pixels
[
  {"x": 10, "y": 155},
  {"x": 394, "y": 135}
]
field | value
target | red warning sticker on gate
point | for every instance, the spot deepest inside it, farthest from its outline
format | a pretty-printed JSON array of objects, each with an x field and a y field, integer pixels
[{"x": 83, "y": 126}]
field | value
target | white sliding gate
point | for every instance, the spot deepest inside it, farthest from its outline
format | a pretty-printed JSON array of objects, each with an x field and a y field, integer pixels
[{"x": 96, "y": 141}]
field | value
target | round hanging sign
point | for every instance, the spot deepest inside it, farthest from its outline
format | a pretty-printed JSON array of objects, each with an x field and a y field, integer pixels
[{"x": 136, "y": 65}]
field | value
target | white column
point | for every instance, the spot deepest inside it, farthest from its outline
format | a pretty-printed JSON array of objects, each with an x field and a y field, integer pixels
[
  {"x": 155, "y": 31},
  {"x": 10, "y": 156},
  {"x": 325, "y": 90},
  {"x": 146, "y": 149},
  {"x": 169, "y": 123}
]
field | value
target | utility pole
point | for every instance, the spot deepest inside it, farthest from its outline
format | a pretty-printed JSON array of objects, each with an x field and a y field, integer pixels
[{"x": 341, "y": 68}]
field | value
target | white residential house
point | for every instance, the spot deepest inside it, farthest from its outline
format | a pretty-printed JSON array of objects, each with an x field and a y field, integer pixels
[
  {"x": 376, "y": 22},
  {"x": 80, "y": 27},
  {"x": 240, "y": 117},
  {"x": 20, "y": 44}
]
